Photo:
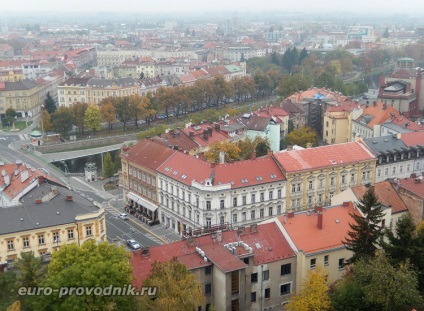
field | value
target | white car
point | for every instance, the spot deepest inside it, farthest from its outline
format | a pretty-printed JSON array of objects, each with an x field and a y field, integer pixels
[
  {"x": 132, "y": 244},
  {"x": 123, "y": 216}
]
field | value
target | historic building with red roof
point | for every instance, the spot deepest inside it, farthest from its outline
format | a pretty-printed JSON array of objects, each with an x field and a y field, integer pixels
[
  {"x": 242, "y": 269},
  {"x": 314, "y": 175}
]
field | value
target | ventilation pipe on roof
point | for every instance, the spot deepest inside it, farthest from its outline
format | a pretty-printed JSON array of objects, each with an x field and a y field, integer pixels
[
  {"x": 253, "y": 155},
  {"x": 319, "y": 224}
]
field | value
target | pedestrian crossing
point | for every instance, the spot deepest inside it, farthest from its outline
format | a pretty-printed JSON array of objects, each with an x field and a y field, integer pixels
[
  {"x": 23, "y": 137},
  {"x": 153, "y": 238}
]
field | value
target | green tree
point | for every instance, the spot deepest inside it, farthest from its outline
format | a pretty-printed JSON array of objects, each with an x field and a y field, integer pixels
[
  {"x": 386, "y": 33},
  {"x": 290, "y": 126},
  {"x": 31, "y": 272},
  {"x": 207, "y": 115},
  {"x": 386, "y": 287},
  {"x": 348, "y": 295},
  {"x": 291, "y": 84},
  {"x": 49, "y": 104},
  {"x": 90, "y": 265},
  {"x": 8, "y": 286},
  {"x": 302, "y": 137},
  {"x": 93, "y": 118},
  {"x": 44, "y": 124},
  {"x": 10, "y": 112},
  {"x": 247, "y": 146},
  {"x": 108, "y": 166},
  {"x": 107, "y": 111},
  {"x": 365, "y": 229},
  {"x": 124, "y": 109},
  {"x": 79, "y": 110},
  {"x": 62, "y": 120},
  {"x": 151, "y": 132},
  {"x": 178, "y": 288},
  {"x": 303, "y": 54},
  {"x": 313, "y": 295}
]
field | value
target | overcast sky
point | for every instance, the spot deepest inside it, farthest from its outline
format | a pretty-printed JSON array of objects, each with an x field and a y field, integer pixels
[{"x": 322, "y": 6}]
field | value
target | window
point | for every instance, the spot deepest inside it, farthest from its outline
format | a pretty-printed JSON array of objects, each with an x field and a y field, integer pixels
[
  {"x": 197, "y": 201},
  {"x": 234, "y": 218},
  {"x": 246, "y": 260},
  {"x": 253, "y": 297},
  {"x": 270, "y": 194},
  {"x": 221, "y": 220},
  {"x": 285, "y": 289},
  {"x": 326, "y": 260},
  {"x": 262, "y": 196},
  {"x": 293, "y": 188},
  {"x": 265, "y": 275},
  {"x": 253, "y": 198},
  {"x": 244, "y": 200},
  {"x": 235, "y": 202},
  {"x": 252, "y": 214},
  {"x": 222, "y": 204},
  {"x": 313, "y": 264},
  {"x": 279, "y": 194},
  {"x": 394, "y": 170},
  {"x": 25, "y": 242},
  {"x": 379, "y": 173},
  {"x": 261, "y": 213},
  {"x": 286, "y": 269},
  {"x": 254, "y": 278},
  {"x": 270, "y": 211},
  {"x": 208, "y": 289},
  {"x": 41, "y": 239},
  {"x": 88, "y": 231},
  {"x": 298, "y": 188},
  {"x": 278, "y": 209},
  {"x": 341, "y": 263},
  {"x": 311, "y": 185},
  {"x": 208, "y": 270},
  {"x": 267, "y": 293},
  {"x": 331, "y": 181},
  {"x": 70, "y": 234},
  {"x": 208, "y": 205},
  {"x": 10, "y": 245},
  {"x": 243, "y": 216},
  {"x": 343, "y": 179},
  {"x": 55, "y": 236},
  {"x": 208, "y": 222}
]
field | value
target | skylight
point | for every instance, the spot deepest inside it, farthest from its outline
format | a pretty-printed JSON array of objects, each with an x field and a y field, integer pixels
[
  {"x": 273, "y": 176},
  {"x": 243, "y": 181},
  {"x": 167, "y": 169},
  {"x": 175, "y": 173},
  {"x": 184, "y": 176},
  {"x": 259, "y": 178}
]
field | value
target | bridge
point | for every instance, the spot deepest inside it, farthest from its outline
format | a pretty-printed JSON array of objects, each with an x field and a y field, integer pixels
[{"x": 68, "y": 155}]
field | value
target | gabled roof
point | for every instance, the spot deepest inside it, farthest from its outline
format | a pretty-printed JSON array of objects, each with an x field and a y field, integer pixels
[
  {"x": 305, "y": 234},
  {"x": 381, "y": 145},
  {"x": 20, "y": 85},
  {"x": 102, "y": 83},
  {"x": 256, "y": 123},
  {"x": 387, "y": 196},
  {"x": 411, "y": 126},
  {"x": 411, "y": 185},
  {"x": 324, "y": 156},
  {"x": 268, "y": 245},
  {"x": 413, "y": 139},
  {"x": 271, "y": 112},
  {"x": 176, "y": 138},
  {"x": 148, "y": 153},
  {"x": 76, "y": 82}
]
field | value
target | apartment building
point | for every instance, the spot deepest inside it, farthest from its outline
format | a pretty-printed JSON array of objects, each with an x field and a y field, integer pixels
[
  {"x": 337, "y": 124},
  {"x": 139, "y": 179},
  {"x": 45, "y": 217},
  {"x": 316, "y": 237},
  {"x": 196, "y": 195},
  {"x": 415, "y": 147},
  {"x": 394, "y": 157},
  {"x": 314, "y": 175},
  {"x": 94, "y": 90},
  {"x": 11, "y": 75},
  {"x": 253, "y": 268}
]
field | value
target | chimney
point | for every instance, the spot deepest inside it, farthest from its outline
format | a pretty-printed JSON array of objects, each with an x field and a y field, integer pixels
[
  {"x": 205, "y": 134},
  {"x": 201, "y": 155},
  {"x": 318, "y": 209},
  {"x": 308, "y": 145},
  {"x": 69, "y": 197},
  {"x": 384, "y": 106},
  {"x": 289, "y": 148},
  {"x": 345, "y": 203},
  {"x": 418, "y": 180},
  {"x": 371, "y": 187},
  {"x": 269, "y": 152},
  {"x": 191, "y": 134},
  {"x": 413, "y": 175},
  {"x": 253, "y": 155},
  {"x": 209, "y": 131},
  {"x": 40, "y": 179},
  {"x": 319, "y": 224},
  {"x": 213, "y": 164},
  {"x": 219, "y": 236},
  {"x": 290, "y": 215},
  {"x": 217, "y": 127}
]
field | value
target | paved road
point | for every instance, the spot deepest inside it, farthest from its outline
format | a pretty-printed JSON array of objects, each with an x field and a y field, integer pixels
[{"x": 117, "y": 229}]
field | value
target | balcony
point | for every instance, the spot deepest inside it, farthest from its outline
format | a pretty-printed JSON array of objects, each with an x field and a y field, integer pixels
[{"x": 296, "y": 194}]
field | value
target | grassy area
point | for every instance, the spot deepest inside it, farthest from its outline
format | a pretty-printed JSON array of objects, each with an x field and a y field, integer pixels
[{"x": 19, "y": 125}]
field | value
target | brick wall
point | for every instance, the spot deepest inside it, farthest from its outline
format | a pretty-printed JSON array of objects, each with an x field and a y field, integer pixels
[{"x": 414, "y": 203}]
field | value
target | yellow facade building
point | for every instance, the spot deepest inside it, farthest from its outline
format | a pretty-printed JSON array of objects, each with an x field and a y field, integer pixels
[
  {"x": 314, "y": 175},
  {"x": 11, "y": 75}
]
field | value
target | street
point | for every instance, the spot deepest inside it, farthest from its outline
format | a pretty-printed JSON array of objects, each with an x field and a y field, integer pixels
[{"x": 117, "y": 230}]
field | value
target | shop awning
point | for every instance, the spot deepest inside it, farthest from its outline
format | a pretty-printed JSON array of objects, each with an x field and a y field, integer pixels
[{"x": 143, "y": 202}]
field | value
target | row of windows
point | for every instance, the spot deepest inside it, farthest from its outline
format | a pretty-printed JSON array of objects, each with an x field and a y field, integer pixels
[
  {"x": 253, "y": 214},
  {"x": 285, "y": 289},
  {"x": 394, "y": 170},
  {"x": 313, "y": 262},
  {"x": 151, "y": 180}
]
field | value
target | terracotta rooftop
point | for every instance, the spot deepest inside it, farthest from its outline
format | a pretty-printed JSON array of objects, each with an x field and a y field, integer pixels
[
  {"x": 375, "y": 114},
  {"x": 408, "y": 124},
  {"x": 305, "y": 234},
  {"x": 176, "y": 138},
  {"x": 148, "y": 153},
  {"x": 324, "y": 156},
  {"x": 387, "y": 196},
  {"x": 413, "y": 139},
  {"x": 411, "y": 185},
  {"x": 268, "y": 245},
  {"x": 349, "y": 106}
]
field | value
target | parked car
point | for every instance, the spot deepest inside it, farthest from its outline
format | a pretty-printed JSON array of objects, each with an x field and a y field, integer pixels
[
  {"x": 123, "y": 216},
  {"x": 132, "y": 244}
]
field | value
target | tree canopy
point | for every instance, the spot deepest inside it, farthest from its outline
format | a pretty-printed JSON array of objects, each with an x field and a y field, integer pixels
[
  {"x": 232, "y": 152},
  {"x": 49, "y": 104},
  {"x": 62, "y": 120},
  {"x": 302, "y": 137},
  {"x": 89, "y": 265},
  {"x": 93, "y": 118},
  {"x": 178, "y": 288},
  {"x": 313, "y": 295}
]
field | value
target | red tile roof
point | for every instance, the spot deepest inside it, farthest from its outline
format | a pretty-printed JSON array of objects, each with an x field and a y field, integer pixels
[
  {"x": 387, "y": 195},
  {"x": 305, "y": 234},
  {"x": 411, "y": 125},
  {"x": 268, "y": 245},
  {"x": 344, "y": 107},
  {"x": 413, "y": 139},
  {"x": 379, "y": 114},
  {"x": 325, "y": 156},
  {"x": 148, "y": 153},
  {"x": 198, "y": 134},
  {"x": 271, "y": 112},
  {"x": 176, "y": 138},
  {"x": 411, "y": 185}
]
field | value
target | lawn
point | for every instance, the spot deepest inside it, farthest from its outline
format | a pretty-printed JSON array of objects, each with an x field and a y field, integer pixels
[{"x": 19, "y": 125}]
